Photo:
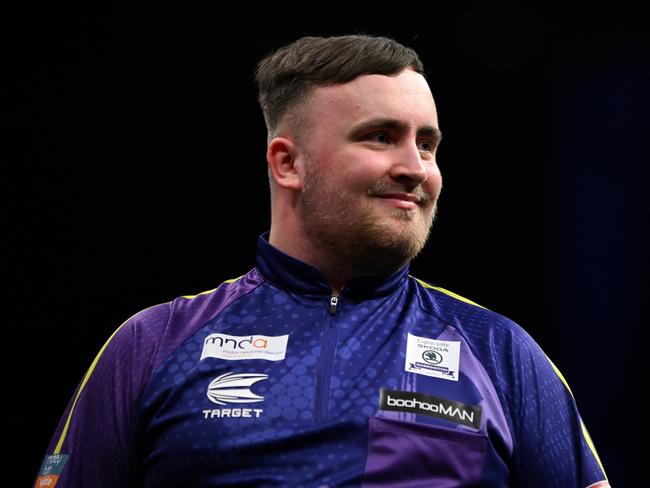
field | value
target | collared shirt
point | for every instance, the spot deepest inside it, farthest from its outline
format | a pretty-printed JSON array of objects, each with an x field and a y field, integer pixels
[{"x": 269, "y": 380}]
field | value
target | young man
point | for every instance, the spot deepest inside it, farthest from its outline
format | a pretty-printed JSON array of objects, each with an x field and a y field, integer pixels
[{"x": 327, "y": 364}]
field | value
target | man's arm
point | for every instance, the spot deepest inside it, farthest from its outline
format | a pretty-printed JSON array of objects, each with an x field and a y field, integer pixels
[
  {"x": 94, "y": 443},
  {"x": 552, "y": 447}
]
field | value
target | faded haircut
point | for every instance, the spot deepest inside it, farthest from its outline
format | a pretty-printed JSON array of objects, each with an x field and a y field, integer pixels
[{"x": 287, "y": 76}]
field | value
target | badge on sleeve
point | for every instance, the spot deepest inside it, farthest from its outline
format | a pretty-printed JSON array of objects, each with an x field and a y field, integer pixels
[
  {"x": 431, "y": 357},
  {"x": 50, "y": 470}
]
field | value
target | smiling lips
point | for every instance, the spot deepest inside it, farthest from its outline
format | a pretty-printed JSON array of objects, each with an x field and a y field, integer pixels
[{"x": 407, "y": 201}]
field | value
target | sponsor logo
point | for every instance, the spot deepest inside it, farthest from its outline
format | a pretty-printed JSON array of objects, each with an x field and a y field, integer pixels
[
  {"x": 235, "y": 388},
  {"x": 233, "y": 348},
  {"x": 442, "y": 408},
  {"x": 432, "y": 357},
  {"x": 232, "y": 413},
  {"x": 50, "y": 470}
]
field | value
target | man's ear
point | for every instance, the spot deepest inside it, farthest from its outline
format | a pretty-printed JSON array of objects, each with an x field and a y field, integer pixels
[{"x": 281, "y": 157}]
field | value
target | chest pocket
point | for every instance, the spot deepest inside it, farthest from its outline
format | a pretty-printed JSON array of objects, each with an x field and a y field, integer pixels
[{"x": 418, "y": 455}]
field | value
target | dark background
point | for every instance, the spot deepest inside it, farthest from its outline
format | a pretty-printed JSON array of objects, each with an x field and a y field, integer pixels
[{"x": 135, "y": 171}]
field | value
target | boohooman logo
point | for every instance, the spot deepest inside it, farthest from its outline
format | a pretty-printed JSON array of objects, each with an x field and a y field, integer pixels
[
  {"x": 419, "y": 403},
  {"x": 235, "y": 388}
]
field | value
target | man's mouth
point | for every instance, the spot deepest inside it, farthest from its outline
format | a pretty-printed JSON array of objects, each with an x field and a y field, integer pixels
[{"x": 407, "y": 201}]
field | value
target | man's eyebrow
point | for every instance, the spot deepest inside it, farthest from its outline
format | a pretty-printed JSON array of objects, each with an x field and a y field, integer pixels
[
  {"x": 430, "y": 131},
  {"x": 395, "y": 125}
]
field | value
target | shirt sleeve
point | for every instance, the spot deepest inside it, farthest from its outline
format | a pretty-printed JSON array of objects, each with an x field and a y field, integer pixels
[
  {"x": 552, "y": 447},
  {"x": 95, "y": 441}
]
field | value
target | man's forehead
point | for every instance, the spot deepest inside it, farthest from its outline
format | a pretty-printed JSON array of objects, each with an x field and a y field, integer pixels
[
  {"x": 407, "y": 81},
  {"x": 405, "y": 97}
]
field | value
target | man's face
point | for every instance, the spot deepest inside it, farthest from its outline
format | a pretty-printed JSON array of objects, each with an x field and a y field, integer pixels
[{"x": 371, "y": 181}]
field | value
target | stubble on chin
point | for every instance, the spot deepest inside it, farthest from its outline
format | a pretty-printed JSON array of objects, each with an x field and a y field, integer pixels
[
  {"x": 364, "y": 239},
  {"x": 391, "y": 241},
  {"x": 352, "y": 230}
]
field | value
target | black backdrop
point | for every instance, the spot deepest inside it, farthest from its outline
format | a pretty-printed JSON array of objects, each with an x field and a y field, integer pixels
[{"x": 136, "y": 173}]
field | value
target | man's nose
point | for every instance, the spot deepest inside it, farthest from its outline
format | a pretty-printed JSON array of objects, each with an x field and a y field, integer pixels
[{"x": 408, "y": 165}]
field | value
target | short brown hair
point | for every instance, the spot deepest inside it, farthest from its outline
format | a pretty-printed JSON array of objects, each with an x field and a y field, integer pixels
[{"x": 288, "y": 75}]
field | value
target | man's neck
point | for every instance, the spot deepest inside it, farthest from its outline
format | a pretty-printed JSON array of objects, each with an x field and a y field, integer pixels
[{"x": 336, "y": 271}]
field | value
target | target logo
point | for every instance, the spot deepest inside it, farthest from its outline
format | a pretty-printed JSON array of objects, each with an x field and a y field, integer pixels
[{"x": 235, "y": 388}]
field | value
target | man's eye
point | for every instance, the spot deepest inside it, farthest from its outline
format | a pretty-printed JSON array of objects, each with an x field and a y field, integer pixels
[
  {"x": 426, "y": 146},
  {"x": 380, "y": 137}
]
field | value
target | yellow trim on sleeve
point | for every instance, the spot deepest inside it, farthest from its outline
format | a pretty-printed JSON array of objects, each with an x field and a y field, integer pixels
[
  {"x": 59, "y": 444},
  {"x": 64, "y": 433},
  {"x": 586, "y": 435},
  {"x": 446, "y": 292},
  {"x": 590, "y": 443},
  {"x": 560, "y": 375},
  {"x": 189, "y": 297},
  {"x": 555, "y": 368}
]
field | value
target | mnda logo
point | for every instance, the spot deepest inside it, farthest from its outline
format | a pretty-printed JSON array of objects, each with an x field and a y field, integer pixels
[
  {"x": 234, "y": 348},
  {"x": 235, "y": 388}
]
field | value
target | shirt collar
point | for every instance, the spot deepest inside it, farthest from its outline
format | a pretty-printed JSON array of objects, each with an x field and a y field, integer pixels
[{"x": 292, "y": 274}]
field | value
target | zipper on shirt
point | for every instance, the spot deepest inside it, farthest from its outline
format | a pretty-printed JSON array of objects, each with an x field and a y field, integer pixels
[
  {"x": 334, "y": 301},
  {"x": 328, "y": 346}
]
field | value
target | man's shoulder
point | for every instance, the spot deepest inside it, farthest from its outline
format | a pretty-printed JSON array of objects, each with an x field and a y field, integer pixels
[
  {"x": 158, "y": 330},
  {"x": 464, "y": 314},
  {"x": 192, "y": 306},
  {"x": 503, "y": 347},
  {"x": 438, "y": 290},
  {"x": 211, "y": 301}
]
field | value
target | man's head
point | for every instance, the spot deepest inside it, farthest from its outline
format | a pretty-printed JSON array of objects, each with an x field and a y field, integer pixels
[
  {"x": 353, "y": 131},
  {"x": 289, "y": 75}
]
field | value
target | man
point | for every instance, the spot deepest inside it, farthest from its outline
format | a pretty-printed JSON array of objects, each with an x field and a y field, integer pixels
[{"x": 327, "y": 364}]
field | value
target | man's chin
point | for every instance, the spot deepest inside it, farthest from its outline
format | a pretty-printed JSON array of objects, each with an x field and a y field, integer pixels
[{"x": 393, "y": 246}]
